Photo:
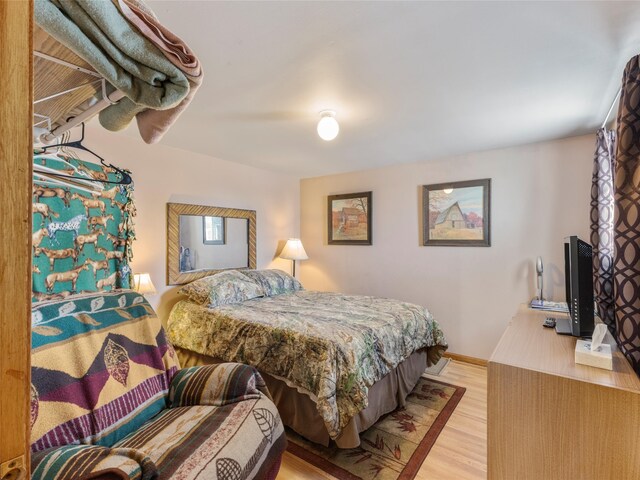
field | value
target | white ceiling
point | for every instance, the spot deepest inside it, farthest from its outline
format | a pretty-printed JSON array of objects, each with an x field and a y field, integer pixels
[{"x": 410, "y": 81}]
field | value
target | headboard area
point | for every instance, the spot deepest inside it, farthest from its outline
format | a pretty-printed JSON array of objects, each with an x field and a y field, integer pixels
[{"x": 82, "y": 238}]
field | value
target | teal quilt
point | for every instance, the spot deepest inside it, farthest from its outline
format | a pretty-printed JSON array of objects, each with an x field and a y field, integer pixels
[{"x": 81, "y": 239}]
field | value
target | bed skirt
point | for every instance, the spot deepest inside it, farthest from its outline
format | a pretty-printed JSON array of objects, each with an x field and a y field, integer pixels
[{"x": 298, "y": 411}]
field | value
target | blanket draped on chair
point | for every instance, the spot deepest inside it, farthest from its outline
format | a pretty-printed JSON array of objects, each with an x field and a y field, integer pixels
[{"x": 97, "y": 390}]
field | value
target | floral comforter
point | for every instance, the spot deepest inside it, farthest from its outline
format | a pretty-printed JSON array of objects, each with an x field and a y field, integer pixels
[{"x": 332, "y": 346}]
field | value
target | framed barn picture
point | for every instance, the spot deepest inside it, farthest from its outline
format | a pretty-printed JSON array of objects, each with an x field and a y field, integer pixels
[
  {"x": 350, "y": 219},
  {"x": 457, "y": 214}
]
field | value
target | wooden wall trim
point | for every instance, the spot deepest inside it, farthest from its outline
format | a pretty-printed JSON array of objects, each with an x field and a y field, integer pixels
[
  {"x": 466, "y": 359},
  {"x": 16, "y": 71}
]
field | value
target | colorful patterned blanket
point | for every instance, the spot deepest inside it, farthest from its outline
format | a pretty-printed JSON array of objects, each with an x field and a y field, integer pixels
[
  {"x": 108, "y": 400},
  {"x": 347, "y": 342},
  {"x": 101, "y": 367},
  {"x": 82, "y": 240}
]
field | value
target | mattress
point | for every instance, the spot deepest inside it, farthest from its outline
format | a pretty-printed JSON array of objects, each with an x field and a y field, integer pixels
[{"x": 329, "y": 346}]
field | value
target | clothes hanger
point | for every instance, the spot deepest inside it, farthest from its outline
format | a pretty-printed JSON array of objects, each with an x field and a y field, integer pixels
[
  {"x": 77, "y": 144},
  {"x": 67, "y": 180},
  {"x": 61, "y": 156},
  {"x": 44, "y": 179},
  {"x": 63, "y": 153}
]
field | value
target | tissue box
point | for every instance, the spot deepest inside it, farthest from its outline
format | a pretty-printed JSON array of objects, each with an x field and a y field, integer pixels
[{"x": 600, "y": 358}]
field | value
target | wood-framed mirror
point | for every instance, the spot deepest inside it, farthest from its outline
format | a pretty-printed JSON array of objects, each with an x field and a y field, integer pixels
[{"x": 203, "y": 240}]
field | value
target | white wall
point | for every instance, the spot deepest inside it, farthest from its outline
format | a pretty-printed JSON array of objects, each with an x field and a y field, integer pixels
[
  {"x": 164, "y": 174},
  {"x": 540, "y": 194}
]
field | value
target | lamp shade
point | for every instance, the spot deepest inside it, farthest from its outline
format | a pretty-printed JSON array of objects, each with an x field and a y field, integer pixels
[
  {"x": 142, "y": 284},
  {"x": 294, "y": 250}
]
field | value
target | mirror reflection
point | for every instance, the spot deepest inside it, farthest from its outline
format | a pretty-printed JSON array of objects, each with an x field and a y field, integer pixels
[
  {"x": 213, "y": 230},
  {"x": 213, "y": 243}
]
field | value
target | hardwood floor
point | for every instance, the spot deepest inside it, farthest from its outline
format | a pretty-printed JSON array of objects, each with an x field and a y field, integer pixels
[{"x": 461, "y": 449}]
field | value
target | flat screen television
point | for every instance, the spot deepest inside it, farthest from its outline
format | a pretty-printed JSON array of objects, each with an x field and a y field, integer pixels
[{"x": 578, "y": 274}]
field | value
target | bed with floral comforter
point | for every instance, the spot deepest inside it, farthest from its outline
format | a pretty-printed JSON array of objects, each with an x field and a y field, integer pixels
[{"x": 330, "y": 346}]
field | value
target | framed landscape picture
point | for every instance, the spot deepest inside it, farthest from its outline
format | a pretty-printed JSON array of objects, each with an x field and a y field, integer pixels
[
  {"x": 457, "y": 214},
  {"x": 350, "y": 219}
]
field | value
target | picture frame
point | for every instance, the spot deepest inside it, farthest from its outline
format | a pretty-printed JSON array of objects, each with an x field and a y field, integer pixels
[
  {"x": 349, "y": 219},
  {"x": 457, "y": 214}
]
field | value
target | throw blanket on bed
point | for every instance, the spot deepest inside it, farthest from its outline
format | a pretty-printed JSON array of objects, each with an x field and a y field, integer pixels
[{"x": 333, "y": 346}]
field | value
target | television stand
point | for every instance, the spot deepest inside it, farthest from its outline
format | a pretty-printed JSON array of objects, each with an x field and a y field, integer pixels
[
  {"x": 563, "y": 326},
  {"x": 550, "y": 418}
]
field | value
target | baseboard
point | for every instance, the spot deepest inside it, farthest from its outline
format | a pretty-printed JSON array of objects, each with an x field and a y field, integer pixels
[{"x": 466, "y": 359}]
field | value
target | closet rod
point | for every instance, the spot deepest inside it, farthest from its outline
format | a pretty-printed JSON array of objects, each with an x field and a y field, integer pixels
[
  {"x": 107, "y": 100},
  {"x": 613, "y": 104}
]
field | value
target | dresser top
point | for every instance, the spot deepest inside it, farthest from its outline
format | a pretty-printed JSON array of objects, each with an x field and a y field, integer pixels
[{"x": 527, "y": 344}]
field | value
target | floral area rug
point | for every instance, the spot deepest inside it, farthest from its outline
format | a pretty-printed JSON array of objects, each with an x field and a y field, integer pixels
[{"x": 396, "y": 445}]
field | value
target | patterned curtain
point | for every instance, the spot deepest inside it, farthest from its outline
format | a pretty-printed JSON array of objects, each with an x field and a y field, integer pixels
[
  {"x": 602, "y": 224},
  {"x": 627, "y": 216}
]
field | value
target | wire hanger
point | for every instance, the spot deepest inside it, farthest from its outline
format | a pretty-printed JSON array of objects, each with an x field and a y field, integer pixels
[
  {"x": 61, "y": 156},
  {"x": 44, "y": 179},
  {"x": 69, "y": 180},
  {"x": 77, "y": 144},
  {"x": 76, "y": 178}
]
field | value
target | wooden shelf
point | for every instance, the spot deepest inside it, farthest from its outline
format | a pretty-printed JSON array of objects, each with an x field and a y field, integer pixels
[{"x": 50, "y": 78}]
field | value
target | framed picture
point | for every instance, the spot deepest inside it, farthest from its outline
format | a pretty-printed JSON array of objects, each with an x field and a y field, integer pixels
[
  {"x": 350, "y": 219},
  {"x": 457, "y": 214}
]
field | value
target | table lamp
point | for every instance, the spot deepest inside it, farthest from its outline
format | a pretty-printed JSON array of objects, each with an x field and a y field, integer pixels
[
  {"x": 293, "y": 251},
  {"x": 142, "y": 284}
]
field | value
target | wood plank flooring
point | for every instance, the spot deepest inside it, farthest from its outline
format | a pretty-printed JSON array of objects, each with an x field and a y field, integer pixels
[{"x": 461, "y": 449}]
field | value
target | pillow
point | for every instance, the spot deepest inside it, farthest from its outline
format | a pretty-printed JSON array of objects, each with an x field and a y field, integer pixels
[
  {"x": 229, "y": 286},
  {"x": 274, "y": 282}
]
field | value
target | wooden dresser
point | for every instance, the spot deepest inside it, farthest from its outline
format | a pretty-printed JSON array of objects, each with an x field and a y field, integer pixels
[{"x": 550, "y": 418}]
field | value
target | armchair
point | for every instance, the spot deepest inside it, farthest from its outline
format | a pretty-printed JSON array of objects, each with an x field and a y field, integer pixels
[{"x": 109, "y": 402}]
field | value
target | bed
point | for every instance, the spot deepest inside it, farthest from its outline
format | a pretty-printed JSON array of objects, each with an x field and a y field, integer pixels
[{"x": 334, "y": 363}]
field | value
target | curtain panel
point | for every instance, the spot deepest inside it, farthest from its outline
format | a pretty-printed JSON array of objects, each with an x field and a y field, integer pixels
[
  {"x": 602, "y": 225},
  {"x": 627, "y": 216}
]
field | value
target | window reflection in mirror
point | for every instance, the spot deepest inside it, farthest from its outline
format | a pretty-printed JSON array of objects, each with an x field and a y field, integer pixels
[{"x": 213, "y": 228}]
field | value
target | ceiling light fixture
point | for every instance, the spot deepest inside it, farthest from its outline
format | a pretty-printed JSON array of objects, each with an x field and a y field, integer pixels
[
  {"x": 328, "y": 127},
  {"x": 448, "y": 190}
]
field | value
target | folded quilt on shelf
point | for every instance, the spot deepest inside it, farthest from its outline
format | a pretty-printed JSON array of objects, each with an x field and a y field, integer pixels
[
  {"x": 153, "y": 124},
  {"x": 152, "y": 78}
]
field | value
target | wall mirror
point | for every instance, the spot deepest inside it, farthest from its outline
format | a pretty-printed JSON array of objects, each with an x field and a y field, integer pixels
[{"x": 204, "y": 240}]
